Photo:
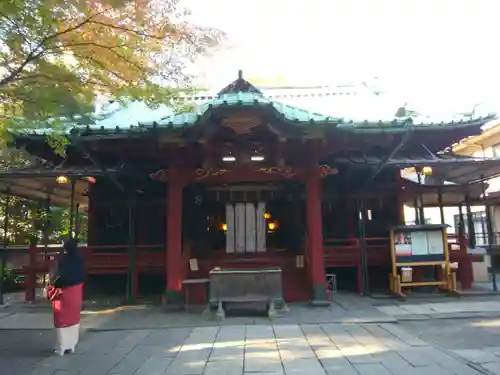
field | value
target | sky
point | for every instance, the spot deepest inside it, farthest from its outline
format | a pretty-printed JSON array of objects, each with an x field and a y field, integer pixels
[{"x": 428, "y": 52}]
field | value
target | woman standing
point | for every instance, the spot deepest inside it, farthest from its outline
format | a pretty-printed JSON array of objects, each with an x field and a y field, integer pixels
[{"x": 66, "y": 295}]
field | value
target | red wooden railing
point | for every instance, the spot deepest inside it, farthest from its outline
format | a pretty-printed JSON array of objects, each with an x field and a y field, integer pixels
[
  {"x": 107, "y": 260},
  {"x": 378, "y": 251},
  {"x": 346, "y": 252},
  {"x": 342, "y": 252},
  {"x": 32, "y": 260},
  {"x": 36, "y": 260}
]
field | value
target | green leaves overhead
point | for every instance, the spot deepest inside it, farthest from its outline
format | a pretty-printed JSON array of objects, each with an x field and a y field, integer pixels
[{"x": 56, "y": 56}]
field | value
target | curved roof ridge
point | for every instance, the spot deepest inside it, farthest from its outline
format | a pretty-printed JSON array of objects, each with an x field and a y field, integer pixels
[{"x": 240, "y": 85}]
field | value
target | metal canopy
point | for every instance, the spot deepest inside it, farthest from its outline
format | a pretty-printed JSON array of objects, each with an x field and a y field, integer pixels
[
  {"x": 452, "y": 195},
  {"x": 45, "y": 188},
  {"x": 40, "y": 184},
  {"x": 469, "y": 171},
  {"x": 447, "y": 167}
]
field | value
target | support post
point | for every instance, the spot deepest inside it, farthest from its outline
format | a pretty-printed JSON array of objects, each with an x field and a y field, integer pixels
[
  {"x": 315, "y": 236},
  {"x": 470, "y": 223},
  {"x": 441, "y": 208},
  {"x": 421, "y": 212},
  {"x": 417, "y": 213},
  {"x": 3, "y": 255},
  {"x": 46, "y": 224},
  {"x": 351, "y": 219},
  {"x": 45, "y": 235},
  {"x": 30, "y": 277},
  {"x": 465, "y": 263},
  {"x": 489, "y": 228},
  {"x": 362, "y": 269},
  {"x": 77, "y": 220},
  {"x": 399, "y": 199},
  {"x": 72, "y": 208},
  {"x": 174, "y": 240},
  {"x": 91, "y": 216},
  {"x": 461, "y": 224},
  {"x": 132, "y": 274}
]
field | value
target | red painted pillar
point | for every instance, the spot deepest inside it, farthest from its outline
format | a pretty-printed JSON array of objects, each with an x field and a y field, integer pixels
[
  {"x": 174, "y": 240},
  {"x": 315, "y": 237}
]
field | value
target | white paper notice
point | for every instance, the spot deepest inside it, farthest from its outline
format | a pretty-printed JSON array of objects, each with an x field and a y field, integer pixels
[
  {"x": 230, "y": 228},
  {"x": 435, "y": 240},
  {"x": 261, "y": 227},
  {"x": 239, "y": 223},
  {"x": 419, "y": 243},
  {"x": 250, "y": 233}
]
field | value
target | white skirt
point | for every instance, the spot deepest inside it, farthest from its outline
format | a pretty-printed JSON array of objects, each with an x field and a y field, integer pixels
[{"x": 67, "y": 338}]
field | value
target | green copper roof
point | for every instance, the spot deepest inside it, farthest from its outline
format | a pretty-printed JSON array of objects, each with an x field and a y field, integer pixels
[
  {"x": 137, "y": 117},
  {"x": 250, "y": 100}
]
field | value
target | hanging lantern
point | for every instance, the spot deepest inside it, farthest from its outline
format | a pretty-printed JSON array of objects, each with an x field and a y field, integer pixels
[
  {"x": 427, "y": 171},
  {"x": 272, "y": 226},
  {"x": 62, "y": 179},
  {"x": 91, "y": 179}
]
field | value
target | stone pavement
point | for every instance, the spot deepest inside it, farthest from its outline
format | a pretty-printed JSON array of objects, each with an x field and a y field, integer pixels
[
  {"x": 353, "y": 336},
  {"x": 312, "y": 349},
  {"x": 486, "y": 358},
  {"x": 156, "y": 317},
  {"x": 22, "y": 350},
  {"x": 473, "y": 340},
  {"x": 449, "y": 309}
]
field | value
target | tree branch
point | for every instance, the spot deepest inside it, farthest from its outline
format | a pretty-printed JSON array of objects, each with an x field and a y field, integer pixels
[
  {"x": 35, "y": 53},
  {"x": 101, "y": 66},
  {"x": 132, "y": 31}
]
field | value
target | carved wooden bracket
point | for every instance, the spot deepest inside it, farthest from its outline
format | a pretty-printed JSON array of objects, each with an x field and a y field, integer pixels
[
  {"x": 202, "y": 173},
  {"x": 241, "y": 124},
  {"x": 284, "y": 171},
  {"x": 325, "y": 171},
  {"x": 244, "y": 173}
]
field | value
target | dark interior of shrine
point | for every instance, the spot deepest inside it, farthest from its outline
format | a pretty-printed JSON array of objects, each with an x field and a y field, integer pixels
[{"x": 204, "y": 219}]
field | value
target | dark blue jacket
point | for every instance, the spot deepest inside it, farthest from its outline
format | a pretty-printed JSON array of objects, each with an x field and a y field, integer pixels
[{"x": 70, "y": 270}]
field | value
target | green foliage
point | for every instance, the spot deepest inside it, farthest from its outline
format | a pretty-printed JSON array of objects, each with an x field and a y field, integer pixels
[
  {"x": 56, "y": 56},
  {"x": 58, "y": 142},
  {"x": 12, "y": 282},
  {"x": 28, "y": 220}
]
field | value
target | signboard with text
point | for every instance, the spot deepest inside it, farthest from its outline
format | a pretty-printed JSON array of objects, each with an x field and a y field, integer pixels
[{"x": 419, "y": 243}]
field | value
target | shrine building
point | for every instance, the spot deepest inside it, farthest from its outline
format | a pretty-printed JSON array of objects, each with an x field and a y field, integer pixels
[{"x": 247, "y": 182}]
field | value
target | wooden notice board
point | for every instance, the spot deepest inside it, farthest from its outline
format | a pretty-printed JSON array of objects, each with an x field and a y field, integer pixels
[
  {"x": 419, "y": 243},
  {"x": 419, "y": 246}
]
